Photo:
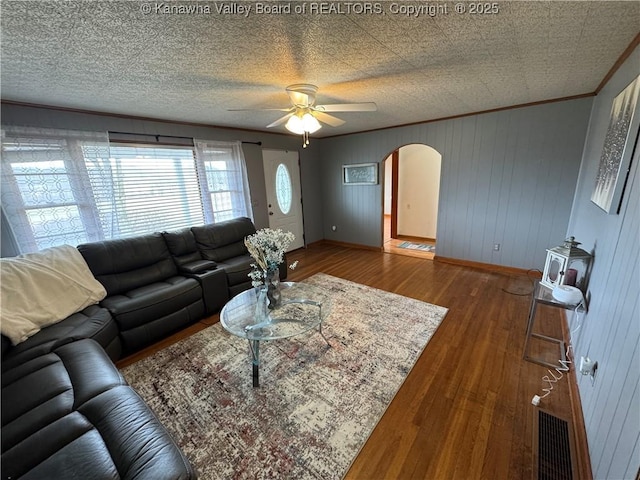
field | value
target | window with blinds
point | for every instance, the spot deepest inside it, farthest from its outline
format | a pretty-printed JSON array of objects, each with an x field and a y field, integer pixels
[
  {"x": 223, "y": 190},
  {"x": 75, "y": 187},
  {"x": 146, "y": 189}
]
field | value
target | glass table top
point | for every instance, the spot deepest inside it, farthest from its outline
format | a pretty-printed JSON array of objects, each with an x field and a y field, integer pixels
[
  {"x": 303, "y": 308},
  {"x": 543, "y": 294}
]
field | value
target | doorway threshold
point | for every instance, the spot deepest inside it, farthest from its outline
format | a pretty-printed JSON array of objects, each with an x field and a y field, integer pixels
[{"x": 393, "y": 246}]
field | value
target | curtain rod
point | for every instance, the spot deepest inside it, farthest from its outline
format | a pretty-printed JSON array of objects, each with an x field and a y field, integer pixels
[{"x": 157, "y": 137}]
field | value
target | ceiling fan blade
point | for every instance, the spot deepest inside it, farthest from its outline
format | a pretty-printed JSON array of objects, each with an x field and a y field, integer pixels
[
  {"x": 259, "y": 109},
  {"x": 328, "y": 119},
  {"x": 348, "y": 107},
  {"x": 281, "y": 120}
]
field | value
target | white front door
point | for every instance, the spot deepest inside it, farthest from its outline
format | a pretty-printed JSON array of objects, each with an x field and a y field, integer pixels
[{"x": 284, "y": 195}]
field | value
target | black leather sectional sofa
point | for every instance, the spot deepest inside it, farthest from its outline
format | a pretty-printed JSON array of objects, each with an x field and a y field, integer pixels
[
  {"x": 66, "y": 410},
  {"x": 70, "y": 414}
]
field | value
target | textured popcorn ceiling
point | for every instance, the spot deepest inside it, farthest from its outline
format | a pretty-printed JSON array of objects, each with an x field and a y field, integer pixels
[{"x": 109, "y": 56}]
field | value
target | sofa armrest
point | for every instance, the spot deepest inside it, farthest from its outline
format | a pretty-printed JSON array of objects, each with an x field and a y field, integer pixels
[
  {"x": 198, "y": 266},
  {"x": 215, "y": 289}
]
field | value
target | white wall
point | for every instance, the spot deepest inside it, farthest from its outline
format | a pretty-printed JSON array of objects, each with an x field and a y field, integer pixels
[
  {"x": 418, "y": 190},
  {"x": 387, "y": 185}
]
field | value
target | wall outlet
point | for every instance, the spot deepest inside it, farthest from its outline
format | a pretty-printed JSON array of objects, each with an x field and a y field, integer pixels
[
  {"x": 496, "y": 247},
  {"x": 588, "y": 366}
]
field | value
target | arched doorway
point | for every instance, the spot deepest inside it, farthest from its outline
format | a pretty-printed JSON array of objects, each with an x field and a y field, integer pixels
[{"x": 411, "y": 193}]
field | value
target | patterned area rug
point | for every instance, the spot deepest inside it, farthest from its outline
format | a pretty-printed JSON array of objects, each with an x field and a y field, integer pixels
[
  {"x": 316, "y": 405},
  {"x": 418, "y": 246}
]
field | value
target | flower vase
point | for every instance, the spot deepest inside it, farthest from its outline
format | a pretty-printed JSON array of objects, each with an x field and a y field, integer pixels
[
  {"x": 272, "y": 284},
  {"x": 262, "y": 313}
]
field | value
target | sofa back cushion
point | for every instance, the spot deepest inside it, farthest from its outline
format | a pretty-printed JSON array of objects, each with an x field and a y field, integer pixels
[
  {"x": 182, "y": 246},
  {"x": 127, "y": 263},
  {"x": 183, "y": 249},
  {"x": 220, "y": 241}
]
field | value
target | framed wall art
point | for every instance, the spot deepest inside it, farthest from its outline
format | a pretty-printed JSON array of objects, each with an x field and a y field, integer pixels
[
  {"x": 617, "y": 152},
  {"x": 360, "y": 174}
]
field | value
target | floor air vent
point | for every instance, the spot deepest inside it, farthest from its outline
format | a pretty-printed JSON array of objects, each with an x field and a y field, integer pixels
[{"x": 554, "y": 459}]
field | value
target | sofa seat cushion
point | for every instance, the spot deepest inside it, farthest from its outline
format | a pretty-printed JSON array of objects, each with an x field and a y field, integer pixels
[
  {"x": 237, "y": 269},
  {"x": 93, "y": 322},
  {"x": 154, "y": 301},
  {"x": 70, "y": 414}
]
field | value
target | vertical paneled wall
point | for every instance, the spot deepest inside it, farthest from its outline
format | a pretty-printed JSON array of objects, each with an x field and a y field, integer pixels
[
  {"x": 507, "y": 177},
  {"x": 610, "y": 332},
  {"x": 42, "y": 117}
]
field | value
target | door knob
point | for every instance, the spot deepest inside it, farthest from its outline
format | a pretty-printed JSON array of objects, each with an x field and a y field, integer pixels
[{"x": 270, "y": 213}]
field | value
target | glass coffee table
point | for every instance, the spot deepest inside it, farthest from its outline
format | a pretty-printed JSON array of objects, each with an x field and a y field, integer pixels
[{"x": 303, "y": 308}]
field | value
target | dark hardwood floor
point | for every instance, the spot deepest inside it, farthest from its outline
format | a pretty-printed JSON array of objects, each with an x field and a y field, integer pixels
[{"x": 464, "y": 411}]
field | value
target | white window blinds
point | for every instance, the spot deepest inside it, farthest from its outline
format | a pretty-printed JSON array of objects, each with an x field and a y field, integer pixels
[
  {"x": 146, "y": 189},
  {"x": 73, "y": 187}
]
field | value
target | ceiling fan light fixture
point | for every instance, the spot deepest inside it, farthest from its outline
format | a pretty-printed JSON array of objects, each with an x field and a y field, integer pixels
[
  {"x": 310, "y": 123},
  {"x": 294, "y": 125},
  {"x": 305, "y": 123}
]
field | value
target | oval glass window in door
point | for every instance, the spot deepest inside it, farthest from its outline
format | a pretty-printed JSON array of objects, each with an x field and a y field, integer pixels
[{"x": 283, "y": 188}]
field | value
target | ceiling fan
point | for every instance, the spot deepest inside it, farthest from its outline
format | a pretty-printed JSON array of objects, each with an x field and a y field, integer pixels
[{"x": 304, "y": 116}]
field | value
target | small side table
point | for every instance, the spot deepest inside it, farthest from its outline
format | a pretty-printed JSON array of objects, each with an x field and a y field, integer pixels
[{"x": 542, "y": 295}]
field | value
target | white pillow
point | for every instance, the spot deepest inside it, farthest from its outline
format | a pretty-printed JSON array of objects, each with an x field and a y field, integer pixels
[{"x": 42, "y": 288}]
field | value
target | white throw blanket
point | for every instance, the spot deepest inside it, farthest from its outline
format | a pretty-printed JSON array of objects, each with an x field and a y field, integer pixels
[{"x": 42, "y": 288}]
